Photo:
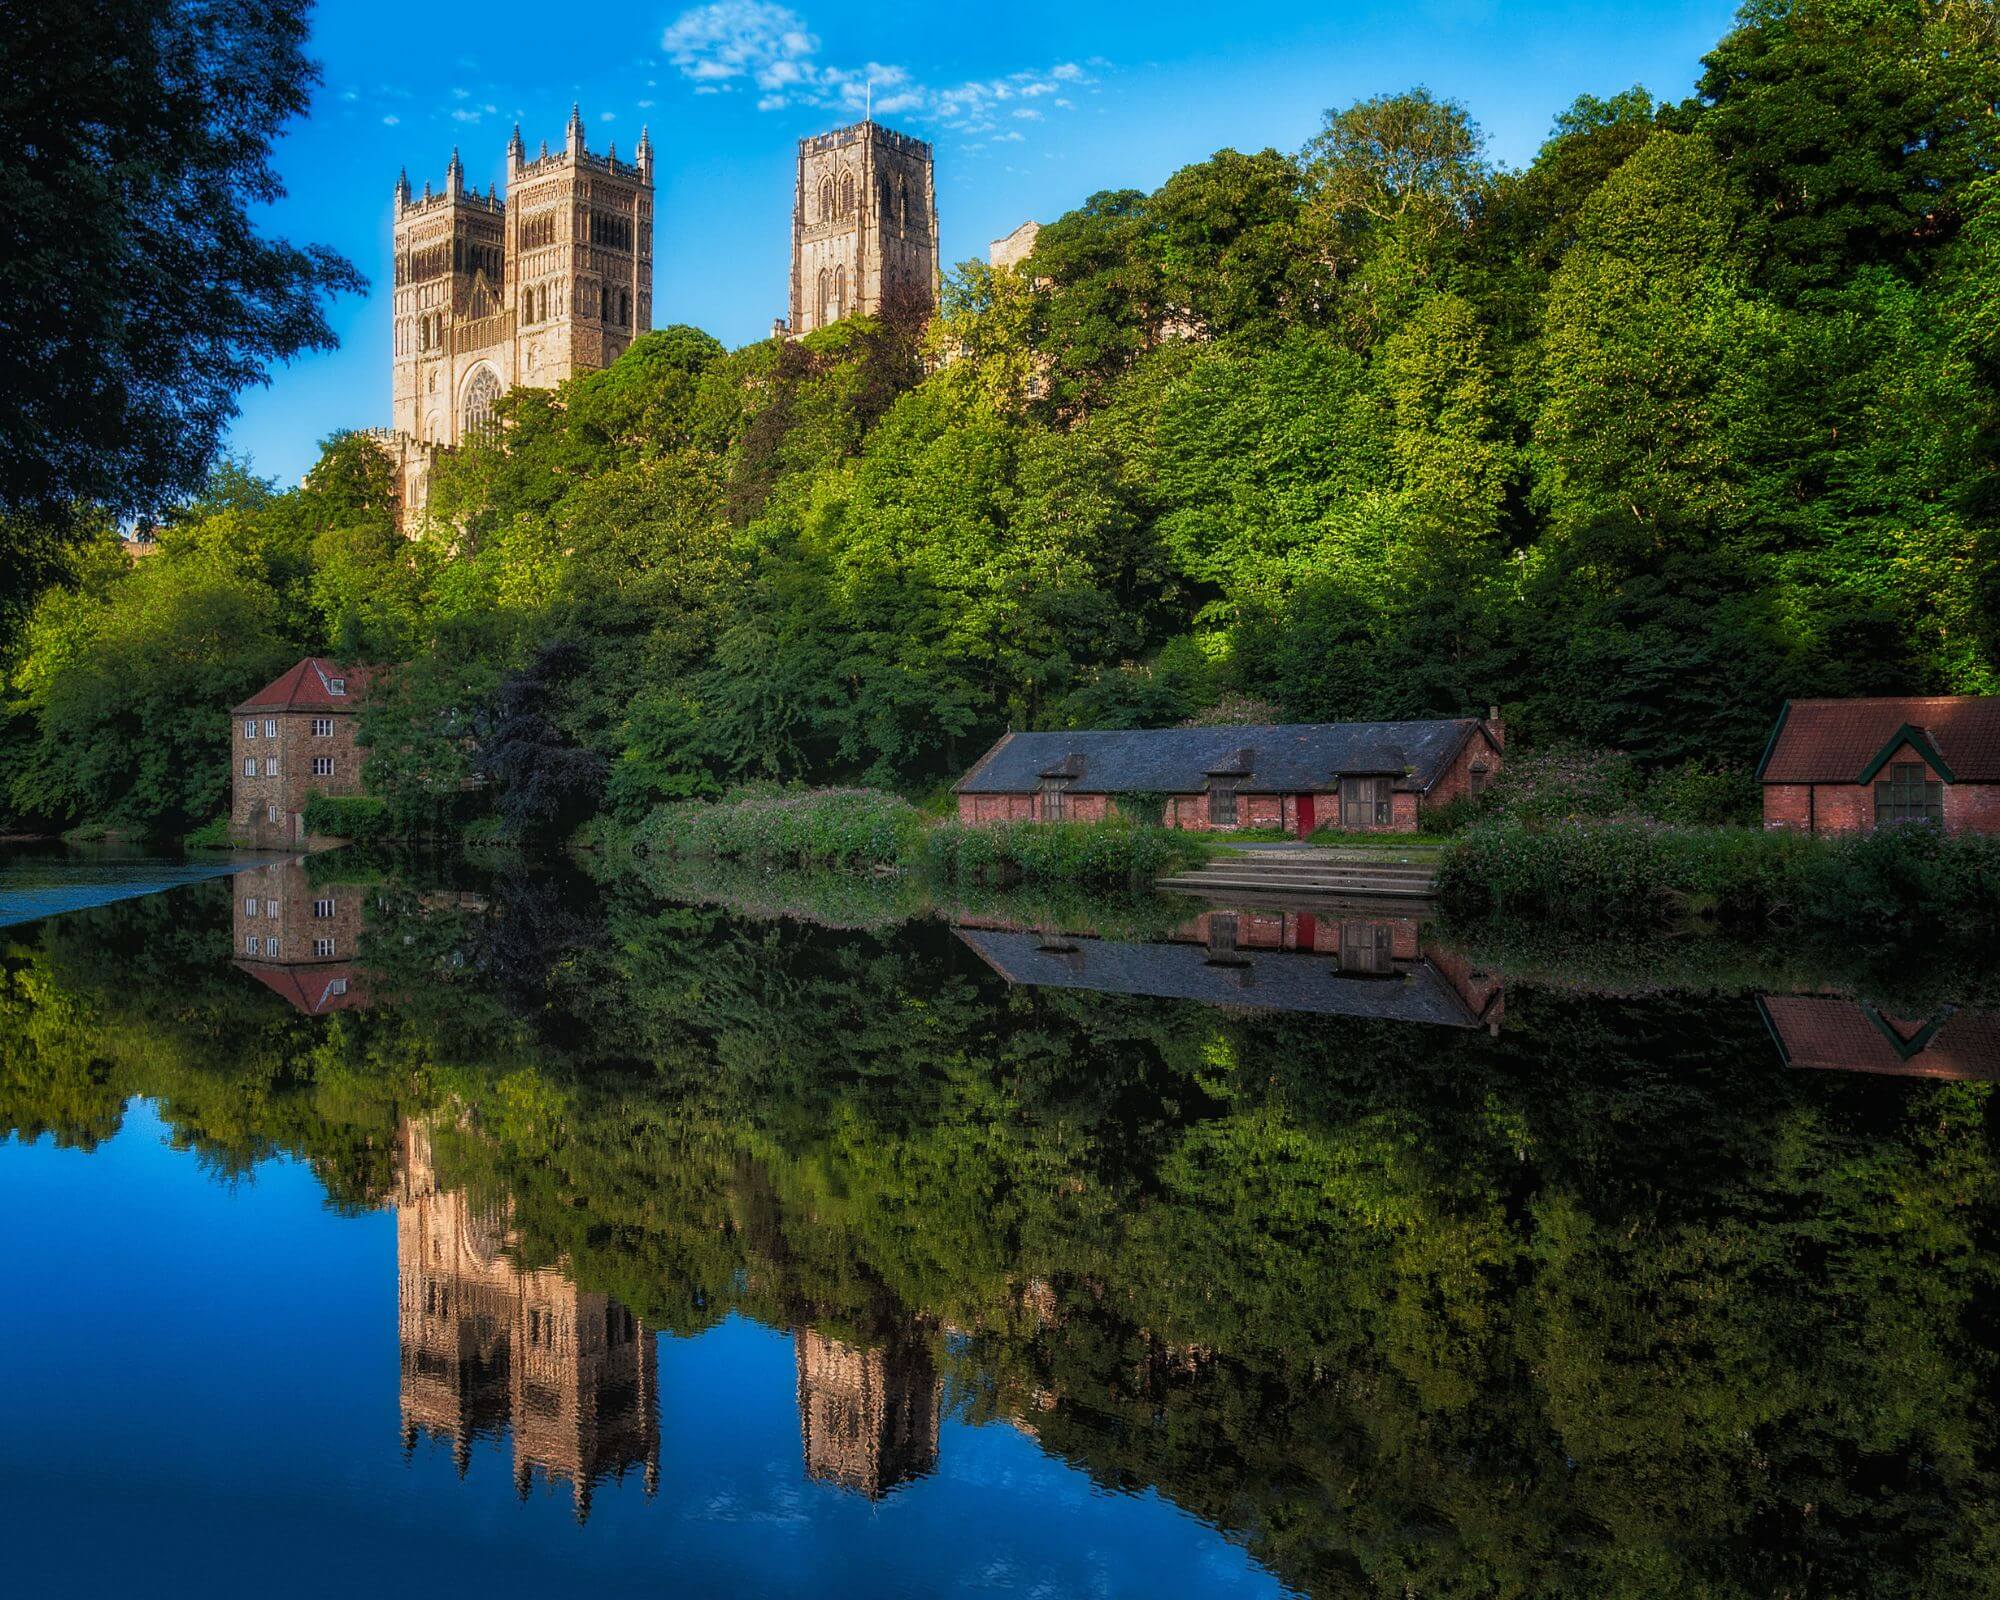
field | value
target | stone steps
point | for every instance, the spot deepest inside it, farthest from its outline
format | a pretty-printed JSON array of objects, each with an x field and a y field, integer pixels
[{"x": 1275, "y": 876}]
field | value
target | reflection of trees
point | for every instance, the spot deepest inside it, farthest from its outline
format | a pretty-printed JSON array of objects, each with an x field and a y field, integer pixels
[{"x": 1610, "y": 1303}]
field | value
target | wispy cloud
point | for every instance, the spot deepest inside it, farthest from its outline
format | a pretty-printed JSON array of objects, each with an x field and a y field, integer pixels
[{"x": 757, "y": 45}]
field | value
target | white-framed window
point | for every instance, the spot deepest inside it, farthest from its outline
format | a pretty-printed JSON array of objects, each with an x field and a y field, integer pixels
[
  {"x": 270, "y": 813},
  {"x": 336, "y": 686},
  {"x": 270, "y": 908},
  {"x": 322, "y": 909},
  {"x": 249, "y": 727},
  {"x": 270, "y": 727},
  {"x": 249, "y": 944},
  {"x": 270, "y": 766},
  {"x": 249, "y": 766},
  {"x": 270, "y": 944},
  {"x": 322, "y": 766},
  {"x": 337, "y": 986},
  {"x": 322, "y": 947},
  {"x": 249, "y": 905},
  {"x": 322, "y": 727}
]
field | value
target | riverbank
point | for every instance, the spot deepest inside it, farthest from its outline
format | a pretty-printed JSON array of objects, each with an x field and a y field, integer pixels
[
  {"x": 1586, "y": 874},
  {"x": 867, "y": 830}
]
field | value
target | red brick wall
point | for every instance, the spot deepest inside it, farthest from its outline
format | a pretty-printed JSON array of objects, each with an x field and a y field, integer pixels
[
  {"x": 1456, "y": 780},
  {"x": 295, "y": 746},
  {"x": 1850, "y": 807}
]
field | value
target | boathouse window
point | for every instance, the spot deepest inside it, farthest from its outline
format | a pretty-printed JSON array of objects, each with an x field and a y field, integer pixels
[
  {"x": 322, "y": 947},
  {"x": 1054, "y": 798},
  {"x": 1909, "y": 795},
  {"x": 1364, "y": 802},
  {"x": 270, "y": 727},
  {"x": 1481, "y": 776},
  {"x": 1364, "y": 948},
  {"x": 1222, "y": 803},
  {"x": 322, "y": 727},
  {"x": 249, "y": 766}
]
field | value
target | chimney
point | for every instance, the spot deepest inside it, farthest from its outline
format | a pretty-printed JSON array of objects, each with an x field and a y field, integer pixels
[{"x": 1496, "y": 727}]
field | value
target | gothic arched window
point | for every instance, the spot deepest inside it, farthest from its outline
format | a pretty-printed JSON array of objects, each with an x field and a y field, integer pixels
[
  {"x": 903, "y": 201},
  {"x": 826, "y": 200},
  {"x": 847, "y": 194},
  {"x": 839, "y": 293},
  {"x": 476, "y": 415},
  {"x": 823, "y": 302}
]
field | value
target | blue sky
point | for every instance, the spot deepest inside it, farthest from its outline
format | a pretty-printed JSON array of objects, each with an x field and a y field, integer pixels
[{"x": 1031, "y": 107}]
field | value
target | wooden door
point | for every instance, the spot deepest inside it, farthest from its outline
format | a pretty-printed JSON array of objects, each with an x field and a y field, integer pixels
[{"x": 1305, "y": 816}]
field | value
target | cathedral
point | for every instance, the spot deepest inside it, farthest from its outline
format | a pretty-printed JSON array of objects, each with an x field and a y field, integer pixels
[{"x": 555, "y": 277}]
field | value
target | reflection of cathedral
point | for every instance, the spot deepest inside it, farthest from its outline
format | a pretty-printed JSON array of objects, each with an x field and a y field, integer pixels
[
  {"x": 868, "y": 1418},
  {"x": 488, "y": 1346}
]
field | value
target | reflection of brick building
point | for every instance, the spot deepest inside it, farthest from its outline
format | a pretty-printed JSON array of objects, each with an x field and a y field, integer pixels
[
  {"x": 298, "y": 938},
  {"x": 1823, "y": 1031},
  {"x": 489, "y": 1347},
  {"x": 868, "y": 1418},
  {"x": 1358, "y": 966}
]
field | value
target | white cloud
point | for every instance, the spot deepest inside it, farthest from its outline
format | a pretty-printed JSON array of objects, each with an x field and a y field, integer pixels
[
  {"x": 390, "y": 121},
  {"x": 607, "y": 116},
  {"x": 462, "y": 114},
  {"x": 645, "y": 105},
  {"x": 769, "y": 47},
  {"x": 1026, "y": 114},
  {"x": 461, "y": 94}
]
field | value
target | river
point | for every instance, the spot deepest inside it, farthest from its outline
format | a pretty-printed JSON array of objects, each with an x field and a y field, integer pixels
[{"x": 385, "y": 1227}]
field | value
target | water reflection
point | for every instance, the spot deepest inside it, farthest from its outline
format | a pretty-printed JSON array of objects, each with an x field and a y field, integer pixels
[
  {"x": 299, "y": 938},
  {"x": 490, "y": 1348},
  {"x": 1379, "y": 967},
  {"x": 1837, "y": 1035},
  {"x": 1263, "y": 1216}
]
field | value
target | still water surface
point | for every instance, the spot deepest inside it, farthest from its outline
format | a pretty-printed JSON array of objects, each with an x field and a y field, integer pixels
[{"x": 381, "y": 1228}]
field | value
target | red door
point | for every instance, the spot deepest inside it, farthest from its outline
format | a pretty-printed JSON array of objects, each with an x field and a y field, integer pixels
[{"x": 1305, "y": 813}]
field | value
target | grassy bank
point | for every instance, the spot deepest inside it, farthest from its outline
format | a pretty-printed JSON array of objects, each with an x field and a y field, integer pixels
[
  {"x": 1896, "y": 882},
  {"x": 862, "y": 829}
]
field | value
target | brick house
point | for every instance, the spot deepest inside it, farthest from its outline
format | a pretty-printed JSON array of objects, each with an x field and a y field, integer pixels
[
  {"x": 1846, "y": 766},
  {"x": 1363, "y": 776},
  {"x": 291, "y": 740}
]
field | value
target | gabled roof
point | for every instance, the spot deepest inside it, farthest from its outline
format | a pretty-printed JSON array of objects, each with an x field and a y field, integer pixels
[
  {"x": 1288, "y": 758},
  {"x": 1852, "y": 1036},
  {"x": 309, "y": 687},
  {"x": 1848, "y": 741},
  {"x": 315, "y": 990}
]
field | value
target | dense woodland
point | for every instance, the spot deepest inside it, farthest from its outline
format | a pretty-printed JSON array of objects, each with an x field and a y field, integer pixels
[
  {"x": 1611, "y": 1304},
  {"x": 1697, "y": 411}
]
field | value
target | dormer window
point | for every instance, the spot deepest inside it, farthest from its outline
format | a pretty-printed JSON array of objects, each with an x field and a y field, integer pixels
[
  {"x": 336, "y": 686},
  {"x": 1909, "y": 794}
]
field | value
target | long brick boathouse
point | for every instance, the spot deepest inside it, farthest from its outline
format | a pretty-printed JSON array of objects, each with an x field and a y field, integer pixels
[{"x": 1359, "y": 776}]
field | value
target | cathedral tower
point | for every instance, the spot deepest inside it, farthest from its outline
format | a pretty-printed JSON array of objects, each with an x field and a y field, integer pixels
[
  {"x": 553, "y": 280},
  {"x": 864, "y": 227}
]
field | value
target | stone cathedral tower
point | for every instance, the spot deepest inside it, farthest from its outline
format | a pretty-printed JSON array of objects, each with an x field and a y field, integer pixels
[
  {"x": 552, "y": 280},
  {"x": 864, "y": 227}
]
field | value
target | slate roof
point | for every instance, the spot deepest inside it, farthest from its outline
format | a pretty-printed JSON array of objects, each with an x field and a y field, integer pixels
[
  {"x": 1290, "y": 758},
  {"x": 1833, "y": 741},
  {"x": 1850, "y": 1036},
  {"x": 305, "y": 688},
  {"x": 1258, "y": 980}
]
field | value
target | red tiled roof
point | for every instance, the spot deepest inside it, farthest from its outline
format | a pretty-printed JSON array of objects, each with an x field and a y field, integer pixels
[
  {"x": 304, "y": 688},
  {"x": 1831, "y": 741},
  {"x": 314, "y": 990},
  {"x": 1845, "y": 1036}
]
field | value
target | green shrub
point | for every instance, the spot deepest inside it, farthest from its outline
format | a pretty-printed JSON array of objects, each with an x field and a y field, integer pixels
[
  {"x": 211, "y": 835},
  {"x": 1107, "y": 854},
  {"x": 805, "y": 827},
  {"x": 347, "y": 816},
  {"x": 1896, "y": 880}
]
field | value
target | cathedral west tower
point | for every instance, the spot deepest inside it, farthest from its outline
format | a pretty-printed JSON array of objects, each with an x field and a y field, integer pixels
[
  {"x": 864, "y": 227},
  {"x": 553, "y": 280}
]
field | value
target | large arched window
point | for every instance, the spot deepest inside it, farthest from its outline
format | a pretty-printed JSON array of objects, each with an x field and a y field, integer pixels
[
  {"x": 826, "y": 200},
  {"x": 839, "y": 293},
  {"x": 847, "y": 194},
  {"x": 823, "y": 301},
  {"x": 476, "y": 413},
  {"x": 903, "y": 202}
]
